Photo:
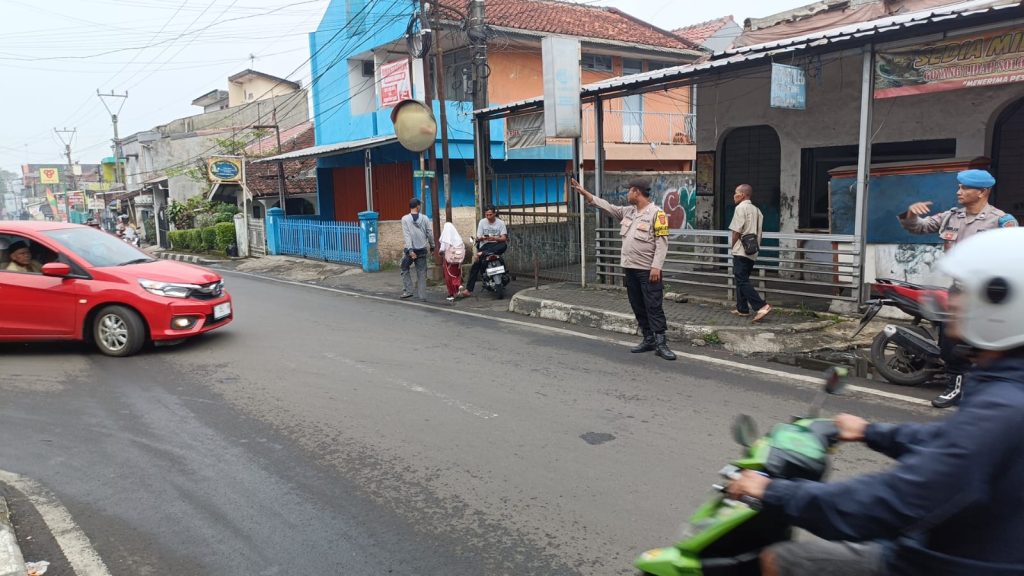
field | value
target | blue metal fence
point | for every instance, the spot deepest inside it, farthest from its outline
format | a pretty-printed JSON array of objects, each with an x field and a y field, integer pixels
[{"x": 320, "y": 239}]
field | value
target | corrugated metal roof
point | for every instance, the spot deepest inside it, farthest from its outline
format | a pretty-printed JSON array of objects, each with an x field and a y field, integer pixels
[
  {"x": 332, "y": 149},
  {"x": 747, "y": 54}
]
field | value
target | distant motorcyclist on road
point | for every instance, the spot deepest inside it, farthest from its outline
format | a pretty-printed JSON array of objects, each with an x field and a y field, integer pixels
[
  {"x": 491, "y": 238},
  {"x": 953, "y": 503},
  {"x": 974, "y": 215}
]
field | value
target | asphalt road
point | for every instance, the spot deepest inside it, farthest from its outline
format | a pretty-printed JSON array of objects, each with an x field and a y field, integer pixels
[{"x": 321, "y": 433}]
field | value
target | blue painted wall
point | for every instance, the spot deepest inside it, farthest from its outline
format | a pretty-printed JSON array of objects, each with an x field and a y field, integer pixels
[
  {"x": 889, "y": 195},
  {"x": 351, "y": 27}
]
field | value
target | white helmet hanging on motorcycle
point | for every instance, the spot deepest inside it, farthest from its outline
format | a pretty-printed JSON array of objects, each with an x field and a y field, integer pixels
[{"x": 989, "y": 271}]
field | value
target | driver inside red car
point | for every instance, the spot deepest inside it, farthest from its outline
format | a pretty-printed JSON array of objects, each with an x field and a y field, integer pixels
[{"x": 21, "y": 259}]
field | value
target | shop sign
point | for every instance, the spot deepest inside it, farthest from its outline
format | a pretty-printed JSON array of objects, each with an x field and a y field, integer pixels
[
  {"x": 49, "y": 176},
  {"x": 980, "y": 59},
  {"x": 789, "y": 87},
  {"x": 395, "y": 84},
  {"x": 525, "y": 131},
  {"x": 225, "y": 168}
]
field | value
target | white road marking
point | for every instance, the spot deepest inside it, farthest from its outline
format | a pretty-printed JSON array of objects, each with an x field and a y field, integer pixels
[
  {"x": 464, "y": 406},
  {"x": 75, "y": 544},
  {"x": 696, "y": 357}
]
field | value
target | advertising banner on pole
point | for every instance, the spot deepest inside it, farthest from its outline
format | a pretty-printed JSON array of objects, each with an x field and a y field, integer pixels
[
  {"x": 561, "y": 87},
  {"x": 49, "y": 176},
  {"x": 987, "y": 58},
  {"x": 395, "y": 84}
]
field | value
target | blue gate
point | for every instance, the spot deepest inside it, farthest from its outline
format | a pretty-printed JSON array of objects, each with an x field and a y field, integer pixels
[{"x": 320, "y": 239}]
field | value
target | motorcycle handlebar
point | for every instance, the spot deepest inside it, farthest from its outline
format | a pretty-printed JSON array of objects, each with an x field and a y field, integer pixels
[{"x": 754, "y": 503}]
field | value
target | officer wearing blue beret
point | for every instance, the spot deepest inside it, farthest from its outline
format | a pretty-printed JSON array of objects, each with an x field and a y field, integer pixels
[{"x": 974, "y": 215}]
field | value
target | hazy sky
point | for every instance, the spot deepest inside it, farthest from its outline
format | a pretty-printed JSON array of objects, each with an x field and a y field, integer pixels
[{"x": 55, "y": 54}]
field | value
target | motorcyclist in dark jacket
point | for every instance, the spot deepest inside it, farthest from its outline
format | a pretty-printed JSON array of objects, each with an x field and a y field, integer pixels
[{"x": 954, "y": 503}]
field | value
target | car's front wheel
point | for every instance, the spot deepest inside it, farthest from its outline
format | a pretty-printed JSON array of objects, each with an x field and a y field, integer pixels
[{"x": 118, "y": 331}]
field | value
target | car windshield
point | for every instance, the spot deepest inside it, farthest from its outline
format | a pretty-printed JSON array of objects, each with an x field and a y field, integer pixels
[{"x": 98, "y": 248}]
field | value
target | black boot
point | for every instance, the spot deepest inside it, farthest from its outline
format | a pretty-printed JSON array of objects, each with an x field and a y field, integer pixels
[
  {"x": 661, "y": 347},
  {"x": 647, "y": 345},
  {"x": 954, "y": 392}
]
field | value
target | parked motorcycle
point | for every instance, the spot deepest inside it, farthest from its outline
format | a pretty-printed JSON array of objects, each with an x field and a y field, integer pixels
[
  {"x": 494, "y": 276},
  {"x": 726, "y": 536},
  {"x": 904, "y": 355}
]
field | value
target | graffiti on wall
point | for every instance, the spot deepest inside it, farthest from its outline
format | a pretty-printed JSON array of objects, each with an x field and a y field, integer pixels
[
  {"x": 910, "y": 262},
  {"x": 673, "y": 192}
]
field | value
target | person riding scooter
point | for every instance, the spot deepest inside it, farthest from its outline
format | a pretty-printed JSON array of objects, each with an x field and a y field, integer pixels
[
  {"x": 491, "y": 238},
  {"x": 952, "y": 504}
]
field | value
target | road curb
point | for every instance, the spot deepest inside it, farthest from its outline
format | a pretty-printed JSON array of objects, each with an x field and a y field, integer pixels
[
  {"x": 192, "y": 258},
  {"x": 529, "y": 303},
  {"x": 11, "y": 561}
]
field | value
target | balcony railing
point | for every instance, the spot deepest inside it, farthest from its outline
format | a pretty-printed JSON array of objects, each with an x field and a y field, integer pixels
[{"x": 625, "y": 127}]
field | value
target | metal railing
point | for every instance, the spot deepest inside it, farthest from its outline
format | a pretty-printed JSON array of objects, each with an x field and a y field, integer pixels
[
  {"x": 320, "y": 239},
  {"x": 543, "y": 225},
  {"x": 813, "y": 270},
  {"x": 621, "y": 126}
]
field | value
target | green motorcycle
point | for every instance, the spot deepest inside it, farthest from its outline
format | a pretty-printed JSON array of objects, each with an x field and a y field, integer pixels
[{"x": 726, "y": 536}]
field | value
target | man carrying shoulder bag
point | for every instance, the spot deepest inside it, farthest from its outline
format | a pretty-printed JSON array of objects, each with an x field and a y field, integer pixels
[{"x": 747, "y": 228}]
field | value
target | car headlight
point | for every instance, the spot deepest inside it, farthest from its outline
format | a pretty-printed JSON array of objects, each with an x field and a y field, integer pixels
[{"x": 169, "y": 289}]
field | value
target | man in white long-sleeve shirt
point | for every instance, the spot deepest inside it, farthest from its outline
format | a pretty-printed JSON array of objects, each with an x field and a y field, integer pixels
[{"x": 419, "y": 242}]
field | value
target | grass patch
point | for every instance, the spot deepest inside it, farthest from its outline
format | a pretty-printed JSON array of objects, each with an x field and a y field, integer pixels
[{"x": 712, "y": 338}]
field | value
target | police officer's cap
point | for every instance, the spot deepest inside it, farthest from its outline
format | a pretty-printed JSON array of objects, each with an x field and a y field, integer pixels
[
  {"x": 976, "y": 179},
  {"x": 641, "y": 184}
]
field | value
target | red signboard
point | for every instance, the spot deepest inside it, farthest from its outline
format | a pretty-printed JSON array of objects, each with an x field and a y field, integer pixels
[{"x": 395, "y": 84}]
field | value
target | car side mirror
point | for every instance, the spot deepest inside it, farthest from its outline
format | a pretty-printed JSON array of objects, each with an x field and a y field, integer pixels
[
  {"x": 57, "y": 269},
  {"x": 744, "y": 430}
]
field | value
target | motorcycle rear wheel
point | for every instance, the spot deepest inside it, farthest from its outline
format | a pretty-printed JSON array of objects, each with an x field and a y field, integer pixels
[{"x": 901, "y": 366}]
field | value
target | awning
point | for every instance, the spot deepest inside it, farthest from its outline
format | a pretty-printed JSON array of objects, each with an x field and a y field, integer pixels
[
  {"x": 332, "y": 149},
  {"x": 882, "y": 30}
]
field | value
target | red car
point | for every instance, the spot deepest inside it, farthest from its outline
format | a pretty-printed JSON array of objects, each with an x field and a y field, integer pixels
[{"x": 69, "y": 282}]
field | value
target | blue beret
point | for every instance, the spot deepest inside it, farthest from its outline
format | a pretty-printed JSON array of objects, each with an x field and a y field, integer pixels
[{"x": 976, "y": 179}]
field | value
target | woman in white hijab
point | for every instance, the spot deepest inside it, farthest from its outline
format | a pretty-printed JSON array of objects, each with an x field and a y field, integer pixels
[{"x": 453, "y": 252}]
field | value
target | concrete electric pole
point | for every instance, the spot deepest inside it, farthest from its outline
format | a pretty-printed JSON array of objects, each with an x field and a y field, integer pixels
[
  {"x": 117, "y": 140},
  {"x": 70, "y": 174},
  {"x": 480, "y": 72}
]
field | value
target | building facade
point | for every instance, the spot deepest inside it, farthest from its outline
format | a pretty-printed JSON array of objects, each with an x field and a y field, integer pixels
[{"x": 360, "y": 168}]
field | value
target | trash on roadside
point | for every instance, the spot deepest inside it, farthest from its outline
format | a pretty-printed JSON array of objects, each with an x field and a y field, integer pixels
[{"x": 36, "y": 568}]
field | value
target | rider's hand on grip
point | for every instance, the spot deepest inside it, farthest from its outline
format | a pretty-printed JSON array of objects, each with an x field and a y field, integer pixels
[{"x": 851, "y": 428}]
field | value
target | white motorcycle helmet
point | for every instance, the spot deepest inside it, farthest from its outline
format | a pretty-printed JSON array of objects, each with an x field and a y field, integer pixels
[{"x": 989, "y": 271}]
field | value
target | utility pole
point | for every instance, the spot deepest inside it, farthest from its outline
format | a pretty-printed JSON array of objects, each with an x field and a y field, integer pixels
[
  {"x": 429, "y": 101},
  {"x": 113, "y": 120},
  {"x": 280, "y": 163},
  {"x": 70, "y": 174},
  {"x": 439, "y": 79},
  {"x": 480, "y": 73}
]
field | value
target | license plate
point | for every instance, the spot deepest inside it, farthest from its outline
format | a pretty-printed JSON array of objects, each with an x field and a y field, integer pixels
[
  {"x": 221, "y": 310},
  {"x": 495, "y": 270}
]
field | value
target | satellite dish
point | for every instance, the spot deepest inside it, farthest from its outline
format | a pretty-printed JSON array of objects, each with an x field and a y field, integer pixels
[{"x": 414, "y": 125}]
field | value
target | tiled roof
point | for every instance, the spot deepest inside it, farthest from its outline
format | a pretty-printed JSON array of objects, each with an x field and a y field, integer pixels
[
  {"x": 299, "y": 175},
  {"x": 571, "y": 19},
  {"x": 698, "y": 33},
  {"x": 268, "y": 144}
]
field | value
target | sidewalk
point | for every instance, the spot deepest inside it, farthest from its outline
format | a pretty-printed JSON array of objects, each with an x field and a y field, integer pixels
[
  {"x": 11, "y": 561},
  {"x": 697, "y": 321},
  {"x": 786, "y": 335}
]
